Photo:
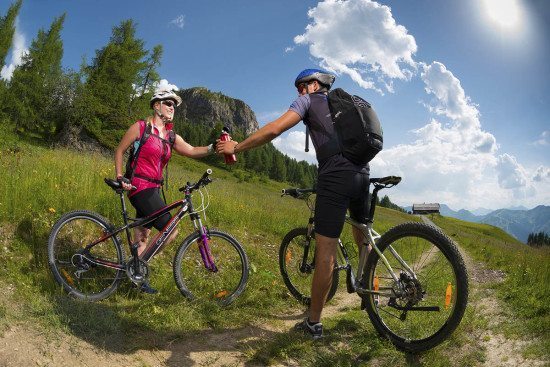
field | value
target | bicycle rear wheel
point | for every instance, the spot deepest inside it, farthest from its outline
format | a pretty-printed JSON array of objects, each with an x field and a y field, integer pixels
[
  {"x": 298, "y": 278},
  {"x": 223, "y": 285},
  {"x": 417, "y": 314},
  {"x": 73, "y": 269}
]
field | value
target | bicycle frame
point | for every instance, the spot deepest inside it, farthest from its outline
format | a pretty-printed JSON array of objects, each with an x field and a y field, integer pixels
[{"x": 161, "y": 239}]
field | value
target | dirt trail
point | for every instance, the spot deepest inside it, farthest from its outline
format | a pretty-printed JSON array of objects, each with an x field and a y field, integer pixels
[
  {"x": 500, "y": 351},
  {"x": 23, "y": 345}
]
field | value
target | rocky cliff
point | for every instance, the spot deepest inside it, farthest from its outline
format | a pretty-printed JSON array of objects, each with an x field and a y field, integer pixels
[{"x": 205, "y": 107}]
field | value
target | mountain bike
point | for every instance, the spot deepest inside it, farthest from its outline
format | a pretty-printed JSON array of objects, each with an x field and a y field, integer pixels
[
  {"x": 413, "y": 283},
  {"x": 87, "y": 258}
]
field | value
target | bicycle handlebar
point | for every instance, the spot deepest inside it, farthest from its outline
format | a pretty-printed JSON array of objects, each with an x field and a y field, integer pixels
[
  {"x": 297, "y": 193},
  {"x": 203, "y": 181}
]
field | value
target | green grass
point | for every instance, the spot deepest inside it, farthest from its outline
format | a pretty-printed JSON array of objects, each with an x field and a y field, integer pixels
[{"x": 38, "y": 185}]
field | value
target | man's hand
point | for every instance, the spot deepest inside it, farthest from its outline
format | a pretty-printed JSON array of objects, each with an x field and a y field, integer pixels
[{"x": 226, "y": 147}]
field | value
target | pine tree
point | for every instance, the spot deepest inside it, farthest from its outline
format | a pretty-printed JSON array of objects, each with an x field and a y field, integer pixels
[
  {"x": 33, "y": 87},
  {"x": 109, "y": 103},
  {"x": 7, "y": 30}
]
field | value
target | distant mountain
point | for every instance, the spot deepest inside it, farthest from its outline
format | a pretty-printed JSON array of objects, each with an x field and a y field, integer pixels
[
  {"x": 481, "y": 211},
  {"x": 518, "y": 222},
  {"x": 520, "y": 207},
  {"x": 462, "y": 214}
]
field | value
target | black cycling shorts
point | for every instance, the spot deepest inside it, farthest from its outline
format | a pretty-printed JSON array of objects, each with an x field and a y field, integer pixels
[
  {"x": 146, "y": 203},
  {"x": 336, "y": 193}
]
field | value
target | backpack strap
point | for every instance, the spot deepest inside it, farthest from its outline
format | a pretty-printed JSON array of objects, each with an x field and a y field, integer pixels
[{"x": 142, "y": 140}]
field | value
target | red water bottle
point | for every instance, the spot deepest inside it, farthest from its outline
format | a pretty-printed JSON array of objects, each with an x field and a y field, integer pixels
[{"x": 229, "y": 158}]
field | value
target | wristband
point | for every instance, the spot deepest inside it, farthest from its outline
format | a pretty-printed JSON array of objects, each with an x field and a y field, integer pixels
[{"x": 211, "y": 149}]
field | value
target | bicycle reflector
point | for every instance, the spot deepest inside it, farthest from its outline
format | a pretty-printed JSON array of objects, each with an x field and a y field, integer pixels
[
  {"x": 288, "y": 256},
  {"x": 221, "y": 294},
  {"x": 448, "y": 294},
  {"x": 68, "y": 277}
]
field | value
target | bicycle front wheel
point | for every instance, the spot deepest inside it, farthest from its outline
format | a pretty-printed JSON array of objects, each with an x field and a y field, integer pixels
[
  {"x": 421, "y": 309},
  {"x": 74, "y": 269},
  {"x": 221, "y": 284},
  {"x": 297, "y": 274}
]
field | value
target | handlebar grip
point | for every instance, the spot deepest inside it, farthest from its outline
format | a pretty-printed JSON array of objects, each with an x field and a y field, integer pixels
[{"x": 289, "y": 191}]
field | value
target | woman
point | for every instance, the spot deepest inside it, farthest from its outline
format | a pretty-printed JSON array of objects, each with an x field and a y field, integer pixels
[{"x": 153, "y": 156}]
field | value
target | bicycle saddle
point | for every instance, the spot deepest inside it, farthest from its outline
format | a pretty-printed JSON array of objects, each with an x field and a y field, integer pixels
[{"x": 389, "y": 180}]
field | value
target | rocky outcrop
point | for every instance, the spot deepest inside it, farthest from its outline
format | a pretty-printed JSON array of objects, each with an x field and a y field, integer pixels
[{"x": 209, "y": 108}]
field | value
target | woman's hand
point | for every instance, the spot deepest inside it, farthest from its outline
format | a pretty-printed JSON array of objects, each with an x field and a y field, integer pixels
[
  {"x": 226, "y": 147},
  {"x": 126, "y": 184}
]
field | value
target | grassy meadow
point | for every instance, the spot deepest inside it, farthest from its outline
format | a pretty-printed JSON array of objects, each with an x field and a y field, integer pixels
[{"x": 38, "y": 185}]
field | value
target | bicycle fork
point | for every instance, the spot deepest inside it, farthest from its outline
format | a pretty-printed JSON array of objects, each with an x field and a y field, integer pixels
[{"x": 202, "y": 242}]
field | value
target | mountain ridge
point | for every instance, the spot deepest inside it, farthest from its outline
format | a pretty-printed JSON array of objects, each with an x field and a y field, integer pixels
[{"x": 517, "y": 222}]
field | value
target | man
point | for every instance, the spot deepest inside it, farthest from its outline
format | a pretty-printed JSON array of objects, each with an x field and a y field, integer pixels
[{"x": 341, "y": 183}]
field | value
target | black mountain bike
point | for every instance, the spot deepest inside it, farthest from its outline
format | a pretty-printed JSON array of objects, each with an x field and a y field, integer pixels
[
  {"x": 413, "y": 283},
  {"x": 87, "y": 258}
]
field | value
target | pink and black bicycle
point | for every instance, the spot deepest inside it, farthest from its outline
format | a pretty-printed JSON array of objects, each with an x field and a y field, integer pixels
[{"x": 87, "y": 256}]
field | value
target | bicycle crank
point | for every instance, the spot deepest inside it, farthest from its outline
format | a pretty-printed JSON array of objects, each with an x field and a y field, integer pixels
[{"x": 137, "y": 274}]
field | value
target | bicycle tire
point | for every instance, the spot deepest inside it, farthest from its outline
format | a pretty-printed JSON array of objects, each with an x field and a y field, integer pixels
[
  {"x": 196, "y": 282},
  {"x": 298, "y": 282},
  {"x": 71, "y": 233},
  {"x": 438, "y": 264}
]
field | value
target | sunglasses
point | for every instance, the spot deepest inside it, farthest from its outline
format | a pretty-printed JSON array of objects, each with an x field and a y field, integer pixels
[{"x": 168, "y": 103}]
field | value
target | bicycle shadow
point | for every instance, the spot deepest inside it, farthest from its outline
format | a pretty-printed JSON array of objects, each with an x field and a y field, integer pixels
[{"x": 104, "y": 327}]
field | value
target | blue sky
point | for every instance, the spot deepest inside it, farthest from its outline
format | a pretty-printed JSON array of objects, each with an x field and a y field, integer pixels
[{"x": 461, "y": 87}]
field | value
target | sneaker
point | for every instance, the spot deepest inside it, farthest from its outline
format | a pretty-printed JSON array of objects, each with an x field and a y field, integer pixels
[
  {"x": 315, "y": 330},
  {"x": 146, "y": 288}
]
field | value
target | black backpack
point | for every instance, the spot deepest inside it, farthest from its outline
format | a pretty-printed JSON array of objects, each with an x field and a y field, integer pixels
[
  {"x": 357, "y": 127},
  {"x": 134, "y": 153}
]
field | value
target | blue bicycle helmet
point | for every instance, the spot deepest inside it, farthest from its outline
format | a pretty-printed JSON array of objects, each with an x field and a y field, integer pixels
[{"x": 323, "y": 77}]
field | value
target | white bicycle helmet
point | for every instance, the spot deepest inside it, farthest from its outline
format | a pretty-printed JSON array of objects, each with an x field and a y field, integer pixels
[{"x": 163, "y": 94}]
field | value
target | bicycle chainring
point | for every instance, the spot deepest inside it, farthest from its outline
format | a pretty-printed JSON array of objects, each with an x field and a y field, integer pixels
[{"x": 139, "y": 276}]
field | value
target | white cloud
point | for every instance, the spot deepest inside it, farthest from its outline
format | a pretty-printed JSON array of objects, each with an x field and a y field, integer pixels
[
  {"x": 18, "y": 51},
  {"x": 293, "y": 145},
  {"x": 163, "y": 84},
  {"x": 360, "y": 38},
  {"x": 544, "y": 139},
  {"x": 453, "y": 162},
  {"x": 179, "y": 21},
  {"x": 289, "y": 49},
  {"x": 511, "y": 175},
  {"x": 451, "y": 101},
  {"x": 542, "y": 174}
]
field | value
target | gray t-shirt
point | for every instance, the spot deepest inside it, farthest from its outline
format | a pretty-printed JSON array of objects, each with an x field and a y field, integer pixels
[{"x": 321, "y": 131}]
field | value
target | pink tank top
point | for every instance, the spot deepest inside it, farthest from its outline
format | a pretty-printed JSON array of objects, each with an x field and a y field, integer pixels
[{"x": 152, "y": 158}]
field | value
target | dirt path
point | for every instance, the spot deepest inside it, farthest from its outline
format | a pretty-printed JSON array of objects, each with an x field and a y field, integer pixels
[{"x": 500, "y": 351}]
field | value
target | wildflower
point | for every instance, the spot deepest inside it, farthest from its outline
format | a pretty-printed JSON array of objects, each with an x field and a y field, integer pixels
[{"x": 51, "y": 210}]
